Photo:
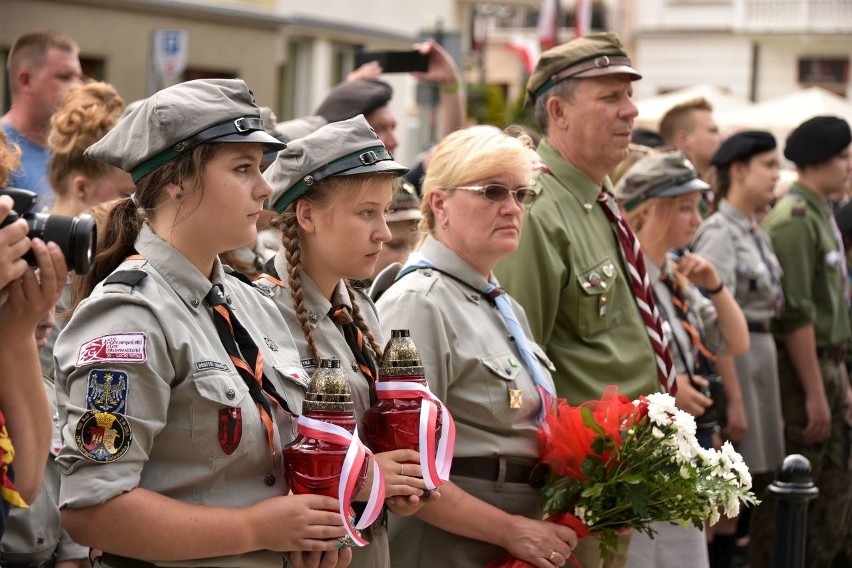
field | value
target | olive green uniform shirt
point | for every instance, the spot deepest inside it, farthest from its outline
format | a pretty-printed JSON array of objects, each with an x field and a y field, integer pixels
[
  {"x": 813, "y": 278},
  {"x": 570, "y": 276}
]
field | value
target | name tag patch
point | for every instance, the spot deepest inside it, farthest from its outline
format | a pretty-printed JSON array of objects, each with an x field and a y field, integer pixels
[
  {"x": 206, "y": 365},
  {"x": 116, "y": 348}
]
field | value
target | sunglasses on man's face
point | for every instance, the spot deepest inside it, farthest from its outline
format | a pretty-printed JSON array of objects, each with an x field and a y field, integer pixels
[{"x": 498, "y": 193}]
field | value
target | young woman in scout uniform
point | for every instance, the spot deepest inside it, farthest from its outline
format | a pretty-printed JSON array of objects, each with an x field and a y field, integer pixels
[
  {"x": 487, "y": 371},
  {"x": 747, "y": 169},
  {"x": 333, "y": 229},
  {"x": 660, "y": 197},
  {"x": 178, "y": 380}
]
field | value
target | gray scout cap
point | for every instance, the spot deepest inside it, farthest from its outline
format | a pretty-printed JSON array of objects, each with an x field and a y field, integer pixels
[
  {"x": 342, "y": 148},
  {"x": 178, "y": 118},
  {"x": 406, "y": 204},
  {"x": 593, "y": 55},
  {"x": 658, "y": 175}
]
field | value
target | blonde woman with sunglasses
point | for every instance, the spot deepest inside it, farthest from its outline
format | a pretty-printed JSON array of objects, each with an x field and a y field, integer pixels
[{"x": 480, "y": 359}]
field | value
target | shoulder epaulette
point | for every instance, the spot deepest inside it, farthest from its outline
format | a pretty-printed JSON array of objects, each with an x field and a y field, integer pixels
[{"x": 129, "y": 277}]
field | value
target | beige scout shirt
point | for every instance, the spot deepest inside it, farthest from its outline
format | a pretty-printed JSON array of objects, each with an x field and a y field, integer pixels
[
  {"x": 742, "y": 253},
  {"x": 470, "y": 359},
  {"x": 327, "y": 334},
  {"x": 33, "y": 534},
  {"x": 171, "y": 380}
]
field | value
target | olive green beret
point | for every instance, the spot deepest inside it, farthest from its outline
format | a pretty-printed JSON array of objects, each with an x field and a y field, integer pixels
[
  {"x": 593, "y": 55},
  {"x": 178, "y": 118},
  {"x": 658, "y": 175},
  {"x": 342, "y": 148}
]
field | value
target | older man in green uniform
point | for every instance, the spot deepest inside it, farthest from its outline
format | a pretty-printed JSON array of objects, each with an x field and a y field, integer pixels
[
  {"x": 814, "y": 328},
  {"x": 569, "y": 272},
  {"x": 576, "y": 272}
]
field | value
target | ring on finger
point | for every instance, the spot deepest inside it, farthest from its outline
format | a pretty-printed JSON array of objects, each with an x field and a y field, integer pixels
[
  {"x": 552, "y": 556},
  {"x": 402, "y": 469}
]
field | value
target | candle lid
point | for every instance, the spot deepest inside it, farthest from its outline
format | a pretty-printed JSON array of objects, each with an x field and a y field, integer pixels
[
  {"x": 329, "y": 389},
  {"x": 400, "y": 355}
]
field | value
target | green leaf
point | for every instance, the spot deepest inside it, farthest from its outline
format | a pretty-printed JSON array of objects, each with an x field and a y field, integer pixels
[{"x": 589, "y": 421}]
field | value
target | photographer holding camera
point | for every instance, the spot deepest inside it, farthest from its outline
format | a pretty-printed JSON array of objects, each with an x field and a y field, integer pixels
[
  {"x": 25, "y": 297},
  {"x": 660, "y": 196}
]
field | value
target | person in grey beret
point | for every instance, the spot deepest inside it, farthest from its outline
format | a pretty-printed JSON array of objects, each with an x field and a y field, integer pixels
[
  {"x": 660, "y": 196},
  {"x": 179, "y": 381},
  {"x": 331, "y": 190}
]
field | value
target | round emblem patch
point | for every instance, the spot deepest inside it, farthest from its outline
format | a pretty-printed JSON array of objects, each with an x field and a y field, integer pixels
[{"x": 102, "y": 436}]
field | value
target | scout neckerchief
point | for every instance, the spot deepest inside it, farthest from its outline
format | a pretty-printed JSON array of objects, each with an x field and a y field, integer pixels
[
  {"x": 642, "y": 292},
  {"x": 499, "y": 298},
  {"x": 342, "y": 316}
]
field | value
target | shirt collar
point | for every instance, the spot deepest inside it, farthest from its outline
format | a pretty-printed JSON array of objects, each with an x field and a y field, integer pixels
[
  {"x": 739, "y": 218},
  {"x": 575, "y": 181},
  {"x": 442, "y": 257},
  {"x": 313, "y": 299},
  {"x": 184, "y": 278},
  {"x": 813, "y": 200}
]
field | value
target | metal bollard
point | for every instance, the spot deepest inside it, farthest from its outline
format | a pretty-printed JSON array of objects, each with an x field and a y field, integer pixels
[{"x": 792, "y": 490}]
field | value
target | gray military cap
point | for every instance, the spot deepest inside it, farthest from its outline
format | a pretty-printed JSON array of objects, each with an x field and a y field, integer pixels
[
  {"x": 344, "y": 148},
  {"x": 178, "y": 118},
  {"x": 658, "y": 175}
]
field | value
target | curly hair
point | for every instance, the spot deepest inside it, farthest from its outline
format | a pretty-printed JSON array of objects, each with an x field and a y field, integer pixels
[
  {"x": 10, "y": 159},
  {"x": 86, "y": 114}
]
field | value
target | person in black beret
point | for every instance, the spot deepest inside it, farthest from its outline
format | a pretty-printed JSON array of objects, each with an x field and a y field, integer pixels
[
  {"x": 814, "y": 328},
  {"x": 747, "y": 169}
]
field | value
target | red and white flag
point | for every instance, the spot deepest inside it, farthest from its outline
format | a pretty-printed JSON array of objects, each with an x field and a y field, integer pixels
[
  {"x": 527, "y": 48},
  {"x": 548, "y": 24},
  {"x": 582, "y": 18}
]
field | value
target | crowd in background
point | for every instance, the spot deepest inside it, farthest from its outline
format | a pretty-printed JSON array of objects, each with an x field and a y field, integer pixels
[{"x": 526, "y": 265}]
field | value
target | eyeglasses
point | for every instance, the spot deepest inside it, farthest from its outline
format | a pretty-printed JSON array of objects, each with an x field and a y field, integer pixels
[{"x": 498, "y": 193}]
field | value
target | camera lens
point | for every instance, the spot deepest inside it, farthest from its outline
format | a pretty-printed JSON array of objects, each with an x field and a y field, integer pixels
[{"x": 76, "y": 237}]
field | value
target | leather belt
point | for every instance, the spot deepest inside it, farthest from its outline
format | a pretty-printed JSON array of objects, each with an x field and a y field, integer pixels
[
  {"x": 489, "y": 468},
  {"x": 39, "y": 564},
  {"x": 758, "y": 327},
  {"x": 834, "y": 353}
]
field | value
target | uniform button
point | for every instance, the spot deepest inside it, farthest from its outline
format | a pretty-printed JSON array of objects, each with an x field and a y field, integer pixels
[
  {"x": 270, "y": 480},
  {"x": 231, "y": 394},
  {"x": 587, "y": 206},
  {"x": 355, "y": 366},
  {"x": 313, "y": 318},
  {"x": 228, "y": 299},
  {"x": 194, "y": 301}
]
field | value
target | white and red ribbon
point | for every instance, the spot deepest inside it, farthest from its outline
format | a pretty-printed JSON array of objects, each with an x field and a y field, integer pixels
[
  {"x": 353, "y": 461},
  {"x": 435, "y": 462}
]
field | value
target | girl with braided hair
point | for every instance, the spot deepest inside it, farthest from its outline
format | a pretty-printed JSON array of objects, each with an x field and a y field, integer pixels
[{"x": 331, "y": 190}]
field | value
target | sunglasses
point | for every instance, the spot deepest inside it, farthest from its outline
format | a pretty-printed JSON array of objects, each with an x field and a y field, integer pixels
[{"x": 498, "y": 193}]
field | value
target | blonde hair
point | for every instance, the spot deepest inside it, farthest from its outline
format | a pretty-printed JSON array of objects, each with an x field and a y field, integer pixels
[
  {"x": 680, "y": 118},
  {"x": 86, "y": 114},
  {"x": 649, "y": 208},
  {"x": 10, "y": 159},
  {"x": 470, "y": 155},
  {"x": 320, "y": 195}
]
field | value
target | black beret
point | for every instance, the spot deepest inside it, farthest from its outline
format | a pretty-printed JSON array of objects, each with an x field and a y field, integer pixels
[
  {"x": 647, "y": 138},
  {"x": 817, "y": 140},
  {"x": 742, "y": 146},
  {"x": 351, "y": 98}
]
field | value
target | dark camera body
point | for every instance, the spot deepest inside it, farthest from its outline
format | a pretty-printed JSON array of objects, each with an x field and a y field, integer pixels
[
  {"x": 76, "y": 236},
  {"x": 715, "y": 414},
  {"x": 395, "y": 61}
]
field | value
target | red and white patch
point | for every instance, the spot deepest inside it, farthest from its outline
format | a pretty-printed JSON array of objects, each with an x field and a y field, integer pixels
[{"x": 116, "y": 348}]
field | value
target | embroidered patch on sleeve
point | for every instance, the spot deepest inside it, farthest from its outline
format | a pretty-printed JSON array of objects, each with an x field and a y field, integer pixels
[
  {"x": 107, "y": 391},
  {"x": 116, "y": 348},
  {"x": 102, "y": 437}
]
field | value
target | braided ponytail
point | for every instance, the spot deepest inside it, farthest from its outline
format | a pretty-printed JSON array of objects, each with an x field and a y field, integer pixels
[{"x": 362, "y": 325}]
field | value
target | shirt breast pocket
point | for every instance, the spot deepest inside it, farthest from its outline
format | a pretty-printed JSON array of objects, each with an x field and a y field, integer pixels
[
  {"x": 224, "y": 416},
  {"x": 502, "y": 378},
  {"x": 597, "y": 308}
]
